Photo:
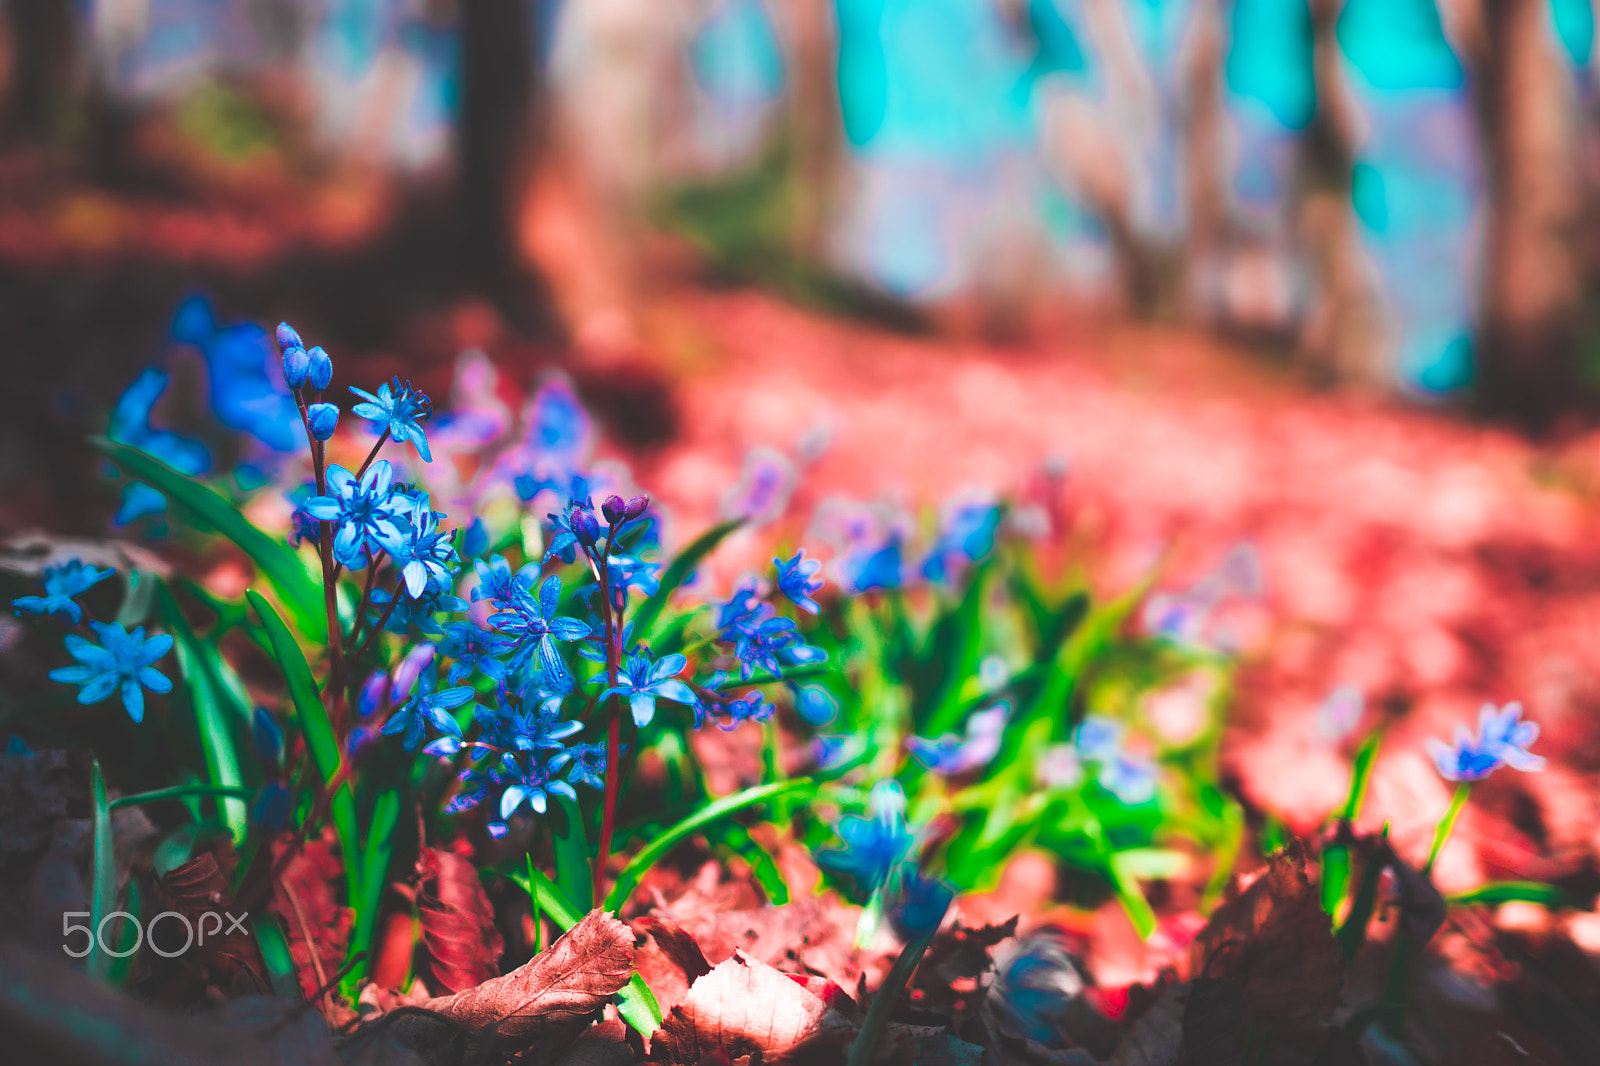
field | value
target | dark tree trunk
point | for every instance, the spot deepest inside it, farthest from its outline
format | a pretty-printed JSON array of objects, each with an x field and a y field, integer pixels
[{"x": 45, "y": 55}]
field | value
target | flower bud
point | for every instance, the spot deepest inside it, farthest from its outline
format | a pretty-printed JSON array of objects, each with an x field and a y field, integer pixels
[
  {"x": 323, "y": 419},
  {"x": 636, "y": 507},
  {"x": 296, "y": 366},
  {"x": 321, "y": 368},
  {"x": 266, "y": 737},
  {"x": 584, "y": 527},
  {"x": 288, "y": 338},
  {"x": 614, "y": 509},
  {"x": 915, "y": 905},
  {"x": 270, "y": 811}
]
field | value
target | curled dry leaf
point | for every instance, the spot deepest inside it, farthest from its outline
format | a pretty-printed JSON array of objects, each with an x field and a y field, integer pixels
[
  {"x": 812, "y": 934},
  {"x": 305, "y": 902},
  {"x": 550, "y": 997},
  {"x": 458, "y": 930},
  {"x": 195, "y": 890},
  {"x": 669, "y": 960},
  {"x": 744, "y": 1011}
]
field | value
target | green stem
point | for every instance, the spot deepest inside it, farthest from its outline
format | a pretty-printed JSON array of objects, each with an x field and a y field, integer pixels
[
  {"x": 1447, "y": 823},
  {"x": 878, "y": 1014},
  {"x": 179, "y": 791}
]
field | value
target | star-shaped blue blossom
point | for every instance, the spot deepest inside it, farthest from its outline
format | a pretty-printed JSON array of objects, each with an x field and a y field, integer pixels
[
  {"x": 797, "y": 580},
  {"x": 588, "y": 766},
  {"x": 61, "y": 584},
  {"x": 743, "y": 612},
  {"x": 533, "y": 786},
  {"x": 761, "y": 646},
  {"x": 643, "y": 681},
  {"x": 120, "y": 662},
  {"x": 401, "y": 410},
  {"x": 574, "y": 527},
  {"x": 471, "y": 647},
  {"x": 497, "y": 583},
  {"x": 367, "y": 512},
  {"x": 423, "y": 552},
  {"x": 416, "y": 614},
  {"x": 1502, "y": 740},
  {"x": 532, "y": 622},
  {"x": 428, "y": 707},
  {"x": 873, "y": 845}
]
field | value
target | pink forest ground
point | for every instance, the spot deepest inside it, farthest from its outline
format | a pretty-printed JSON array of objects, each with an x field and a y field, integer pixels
[{"x": 1432, "y": 563}]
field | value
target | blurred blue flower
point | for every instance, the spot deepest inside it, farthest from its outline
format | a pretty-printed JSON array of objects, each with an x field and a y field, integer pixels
[
  {"x": 400, "y": 410},
  {"x": 120, "y": 662},
  {"x": 952, "y": 754},
  {"x": 266, "y": 737},
  {"x": 1502, "y": 740},
  {"x": 743, "y": 612},
  {"x": 244, "y": 391},
  {"x": 475, "y": 541},
  {"x": 642, "y": 681},
  {"x": 914, "y": 904},
  {"x": 873, "y": 845},
  {"x": 1097, "y": 737},
  {"x": 874, "y": 568},
  {"x": 967, "y": 536},
  {"x": 763, "y": 489},
  {"x": 61, "y": 584},
  {"x": 269, "y": 812},
  {"x": 1340, "y": 712},
  {"x": 797, "y": 580},
  {"x": 1131, "y": 779},
  {"x": 761, "y": 646},
  {"x": 420, "y": 614},
  {"x": 130, "y": 424},
  {"x": 815, "y": 704}
]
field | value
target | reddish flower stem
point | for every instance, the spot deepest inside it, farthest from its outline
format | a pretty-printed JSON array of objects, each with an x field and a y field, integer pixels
[{"x": 608, "y": 811}]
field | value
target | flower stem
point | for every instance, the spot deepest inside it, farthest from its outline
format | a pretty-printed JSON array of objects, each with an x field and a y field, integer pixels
[
  {"x": 608, "y": 811},
  {"x": 1447, "y": 823},
  {"x": 878, "y": 1014},
  {"x": 373, "y": 454}
]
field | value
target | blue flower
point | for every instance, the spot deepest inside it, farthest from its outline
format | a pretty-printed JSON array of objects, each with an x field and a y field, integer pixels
[
  {"x": 642, "y": 681},
  {"x": 476, "y": 539},
  {"x": 473, "y": 648},
  {"x": 1097, "y": 737},
  {"x": 743, "y": 612},
  {"x": 423, "y": 552},
  {"x": 533, "y": 785},
  {"x": 496, "y": 582},
  {"x": 588, "y": 766},
  {"x": 797, "y": 580},
  {"x": 815, "y": 704},
  {"x": 952, "y": 754},
  {"x": 368, "y": 515},
  {"x": 61, "y": 583},
  {"x": 1502, "y": 740},
  {"x": 122, "y": 661},
  {"x": 873, "y": 845},
  {"x": 1131, "y": 779},
  {"x": 401, "y": 410},
  {"x": 270, "y": 810},
  {"x": 968, "y": 535},
  {"x": 915, "y": 905},
  {"x": 874, "y": 568},
  {"x": 427, "y": 707},
  {"x": 266, "y": 736},
  {"x": 574, "y": 527},
  {"x": 761, "y": 646},
  {"x": 420, "y": 613},
  {"x": 730, "y": 711},
  {"x": 624, "y": 572},
  {"x": 531, "y": 621}
]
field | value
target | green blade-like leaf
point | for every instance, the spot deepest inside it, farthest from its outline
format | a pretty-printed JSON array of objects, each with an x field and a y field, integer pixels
[
  {"x": 636, "y": 1003},
  {"x": 762, "y": 864},
  {"x": 103, "y": 893},
  {"x": 628, "y": 879},
  {"x": 179, "y": 792},
  {"x": 320, "y": 739},
  {"x": 374, "y": 871},
  {"x": 274, "y": 558},
  {"x": 677, "y": 572},
  {"x": 1360, "y": 775},
  {"x": 1496, "y": 892},
  {"x": 573, "y": 872},
  {"x": 216, "y": 736},
  {"x": 959, "y": 649},
  {"x": 275, "y": 953}
]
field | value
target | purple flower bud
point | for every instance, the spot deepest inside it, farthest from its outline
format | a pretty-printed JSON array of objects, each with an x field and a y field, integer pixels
[
  {"x": 372, "y": 693},
  {"x": 636, "y": 507},
  {"x": 614, "y": 510},
  {"x": 321, "y": 368},
  {"x": 323, "y": 419},
  {"x": 266, "y": 737},
  {"x": 288, "y": 338},
  {"x": 296, "y": 366},
  {"x": 585, "y": 528}
]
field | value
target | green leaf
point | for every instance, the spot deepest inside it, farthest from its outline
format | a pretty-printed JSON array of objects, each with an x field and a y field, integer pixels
[
  {"x": 1496, "y": 892},
  {"x": 180, "y": 791},
  {"x": 320, "y": 739},
  {"x": 1360, "y": 776},
  {"x": 1353, "y": 933},
  {"x": 1132, "y": 897},
  {"x": 374, "y": 870},
  {"x": 103, "y": 893},
  {"x": 637, "y": 1004},
  {"x": 573, "y": 870},
  {"x": 216, "y": 738},
  {"x": 659, "y": 846},
  {"x": 273, "y": 557},
  {"x": 762, "y": 864},
  {"x": 1335, "y": 877},
  {"x": 958, "y": 646},
  {"x": 677, "y": 572},
  {"x": 275, "y": 953}
]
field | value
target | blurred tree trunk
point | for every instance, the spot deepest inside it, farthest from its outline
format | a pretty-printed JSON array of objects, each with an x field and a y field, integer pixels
[
  {"x": 45, "y": 49},
  {"x": 1203, "y": 143},
  {"x": 495, "y": 135},
  {"x": 810, "y": 42},
  {"x": 1527, "y": 115}
]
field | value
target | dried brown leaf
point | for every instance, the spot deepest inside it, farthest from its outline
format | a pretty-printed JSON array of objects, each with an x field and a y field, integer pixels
[
  {"x": 669, "y": 960},
  {"x": 555, "y": 991},
  {"x": 744, "y": 1010},
  {"x": 305, "y": 900},
  {"x": 200, "y": 887},
  {"x": 458, "y": 931}
]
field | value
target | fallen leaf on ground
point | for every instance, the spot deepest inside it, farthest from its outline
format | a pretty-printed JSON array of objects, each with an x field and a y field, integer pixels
[
  {"x": 199, "y": 888},
  {"x": 305, "y": 901},
  {"x": 458, "y": 931}
]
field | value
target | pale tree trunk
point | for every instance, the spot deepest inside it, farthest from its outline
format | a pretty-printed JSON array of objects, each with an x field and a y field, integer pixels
[
  {"x": 810, "y": 42},
  {"x": 1204, "y": 160}
]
